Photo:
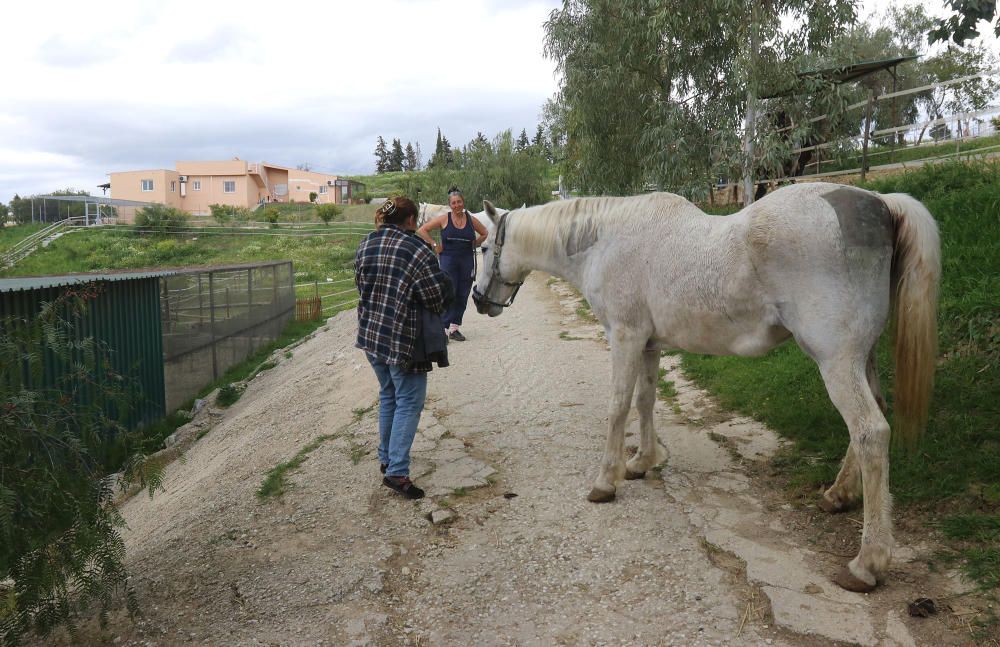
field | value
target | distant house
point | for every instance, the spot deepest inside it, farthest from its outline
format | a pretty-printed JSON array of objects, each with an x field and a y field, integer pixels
[{"x": 196, "y": 185}]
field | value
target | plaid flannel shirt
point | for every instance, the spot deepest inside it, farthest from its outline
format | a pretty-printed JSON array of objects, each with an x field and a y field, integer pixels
[{"x": 395, "y": 271}]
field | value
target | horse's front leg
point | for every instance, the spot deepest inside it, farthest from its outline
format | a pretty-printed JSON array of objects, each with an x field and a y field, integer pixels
[
  {"x": 651, "y": 452},
  {"x": 626, "y": 350}
]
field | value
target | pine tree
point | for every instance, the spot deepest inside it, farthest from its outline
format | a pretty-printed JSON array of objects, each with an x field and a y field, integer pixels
[
  {"x": 418, "y": 156},
  {"x": 522, "y": 141},
  {"x": 410, "y": 161},
  {"x": 447, "y": 155},
  {"x": 396, "y": 157},
  {"x": 381, "y": 157},
  {"x": 539, "y": 139}
]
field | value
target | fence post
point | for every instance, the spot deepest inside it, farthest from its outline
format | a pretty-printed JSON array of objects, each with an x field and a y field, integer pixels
[
  {"x": 249, "y": 291},
  {"x": 868, "y": 128},
  {"x": 166, "y": 305},
  {"x": 211, "y": 307}
]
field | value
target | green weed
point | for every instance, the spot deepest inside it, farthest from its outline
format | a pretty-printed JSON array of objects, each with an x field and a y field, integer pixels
[{"x": 276, "y": 481}]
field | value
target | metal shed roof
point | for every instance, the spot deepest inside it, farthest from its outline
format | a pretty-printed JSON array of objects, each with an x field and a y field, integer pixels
[
  {"x": 844, "y": 73},
  {"x": 58, "y": 281}
]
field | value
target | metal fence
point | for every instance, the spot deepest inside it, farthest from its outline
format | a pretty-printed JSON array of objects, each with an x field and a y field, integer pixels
[{"x": 214, "y": 318}]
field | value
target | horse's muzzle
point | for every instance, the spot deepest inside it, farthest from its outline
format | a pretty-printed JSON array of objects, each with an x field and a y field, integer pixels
[{"x": 485, "y": 307}]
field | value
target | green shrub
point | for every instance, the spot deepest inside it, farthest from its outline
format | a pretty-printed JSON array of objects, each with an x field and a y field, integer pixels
[
  {"x": 160, "y": 218},
  {"x": 226, "y": 214},
  {"x": 228, "y": 395},
  {"x": 328, "y": 212},
  {"x": 272, "y": 215}
]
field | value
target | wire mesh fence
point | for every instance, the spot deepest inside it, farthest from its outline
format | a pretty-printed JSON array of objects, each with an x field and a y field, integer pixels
[{"x": 214, "y": 318}]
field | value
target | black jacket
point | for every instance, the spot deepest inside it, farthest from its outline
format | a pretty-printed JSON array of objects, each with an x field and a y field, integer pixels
[{"x": 431, "y": 343}]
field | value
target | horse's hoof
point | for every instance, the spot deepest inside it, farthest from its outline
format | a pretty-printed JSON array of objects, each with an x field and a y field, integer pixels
[
  {"x": 634, "y": 476},
  {"x": 826, "y": 505},
  {"x": 601, "y": 496},
  {"x": 845, "y": 579}
]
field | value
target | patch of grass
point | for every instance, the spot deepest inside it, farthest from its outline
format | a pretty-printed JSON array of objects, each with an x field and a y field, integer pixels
[
  {"x": 565, "y": 336},
  {"x": 460, "y": 492},
  {"x": 358, "y": 452},
  {"x": 288, "y": 354},
  {"x": 584, "y": 312},
  {"x": 10, "y": 236},
  {"x": 360, "y": 412},
  {"x": 276, "y": 480},
  {"x": 664, "y": 387},
  {"x": 228, "y": 395},
  {"x": 961, "y": 449},
  {"x": 156, "y": 433}
]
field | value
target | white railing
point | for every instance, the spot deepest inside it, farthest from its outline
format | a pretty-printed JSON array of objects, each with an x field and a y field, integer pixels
[
  {"x": 861, "y": 141},
  {"x": 23, "y": 248}
]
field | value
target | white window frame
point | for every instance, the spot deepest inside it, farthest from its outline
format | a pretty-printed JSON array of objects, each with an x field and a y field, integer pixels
[
  {"x": 322, "y": 189},
  {"x": 173, "y": 186},
  {"x": 228, "y": 183},
  {"x": 143, "y": 184},
  {"x": 196, "y": 185}
]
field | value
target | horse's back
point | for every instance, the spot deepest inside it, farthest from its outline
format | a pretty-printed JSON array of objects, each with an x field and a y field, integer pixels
[{"x": 823, "y": 254}]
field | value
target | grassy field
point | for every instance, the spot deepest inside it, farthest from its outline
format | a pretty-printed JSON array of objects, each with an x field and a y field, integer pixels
[
  {"x": 10, "y": 236},
  {"x": 879, "y": 155},
  {"x": 315, "y": 257},
  {"x": 954, "y": 478}
]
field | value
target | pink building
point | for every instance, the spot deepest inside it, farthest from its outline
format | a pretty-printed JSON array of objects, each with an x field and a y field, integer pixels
[{"x": 196, "y": 185}]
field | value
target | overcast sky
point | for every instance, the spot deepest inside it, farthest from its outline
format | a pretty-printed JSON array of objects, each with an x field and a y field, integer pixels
[{"x": 91, "y": 88}]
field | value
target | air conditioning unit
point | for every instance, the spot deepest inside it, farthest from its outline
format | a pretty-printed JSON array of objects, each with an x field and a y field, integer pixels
[
  {"x": 184, "y": 178},
  {"x": 329, "y": 182}
]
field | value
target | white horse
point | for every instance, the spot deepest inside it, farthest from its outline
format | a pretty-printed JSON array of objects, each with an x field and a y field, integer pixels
[{"x": 819, "y": 263}]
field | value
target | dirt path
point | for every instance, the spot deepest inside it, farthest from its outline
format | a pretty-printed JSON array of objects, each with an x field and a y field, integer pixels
[{"x": 693, "y": 555}]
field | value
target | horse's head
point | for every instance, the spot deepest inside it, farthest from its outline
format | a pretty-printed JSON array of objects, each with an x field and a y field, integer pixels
[{"x": 497, "y": 284}]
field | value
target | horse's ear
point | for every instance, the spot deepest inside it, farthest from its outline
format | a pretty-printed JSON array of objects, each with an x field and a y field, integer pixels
[{"x": 490, "y": 211}]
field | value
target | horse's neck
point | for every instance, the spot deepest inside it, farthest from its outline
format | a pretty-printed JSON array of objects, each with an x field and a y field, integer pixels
[{"x": 530, "y": 257}]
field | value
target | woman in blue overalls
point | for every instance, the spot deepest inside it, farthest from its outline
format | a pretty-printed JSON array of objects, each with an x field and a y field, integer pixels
[{"x": 461, "y": 234}]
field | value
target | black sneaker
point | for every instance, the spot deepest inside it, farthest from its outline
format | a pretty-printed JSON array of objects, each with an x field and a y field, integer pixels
[
  {"x": 404, "y": 486},
  {"x": 456, "y": 335}
]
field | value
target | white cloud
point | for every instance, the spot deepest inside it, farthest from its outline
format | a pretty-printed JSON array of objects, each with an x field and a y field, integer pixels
[{"x": 140, "y": 85}]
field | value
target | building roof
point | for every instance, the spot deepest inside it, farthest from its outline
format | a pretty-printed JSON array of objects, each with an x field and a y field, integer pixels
[
  {"x": 844, "y": 73},
  {"x": 62, "y": 280},
  {"x": 94, "y": 199}
]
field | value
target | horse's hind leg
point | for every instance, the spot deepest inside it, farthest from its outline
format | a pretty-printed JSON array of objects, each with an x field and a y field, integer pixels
[
  {"x": 846, "y": 490},
  {"x": 846, "y": 382},
  {"x": 626, "y": 349},
  {"x": 650, "y": 451}
]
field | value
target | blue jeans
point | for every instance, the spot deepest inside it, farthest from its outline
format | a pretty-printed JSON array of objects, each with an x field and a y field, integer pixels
[
  {"x": 459, "y": 270},
  {"x": 400, "y": 401}
]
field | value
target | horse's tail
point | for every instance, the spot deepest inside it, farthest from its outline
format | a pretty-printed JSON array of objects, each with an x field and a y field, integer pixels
[{"x": 916, "y": 273}]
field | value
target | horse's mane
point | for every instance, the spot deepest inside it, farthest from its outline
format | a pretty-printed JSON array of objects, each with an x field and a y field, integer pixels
[{"x": 549, "y": 228}]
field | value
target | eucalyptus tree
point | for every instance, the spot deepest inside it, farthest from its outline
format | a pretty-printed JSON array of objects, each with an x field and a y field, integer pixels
[{"x": 666, "y": 93}]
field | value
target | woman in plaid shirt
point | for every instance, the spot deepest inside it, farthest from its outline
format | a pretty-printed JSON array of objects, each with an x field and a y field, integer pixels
[{"x": 396, "y": 273}]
